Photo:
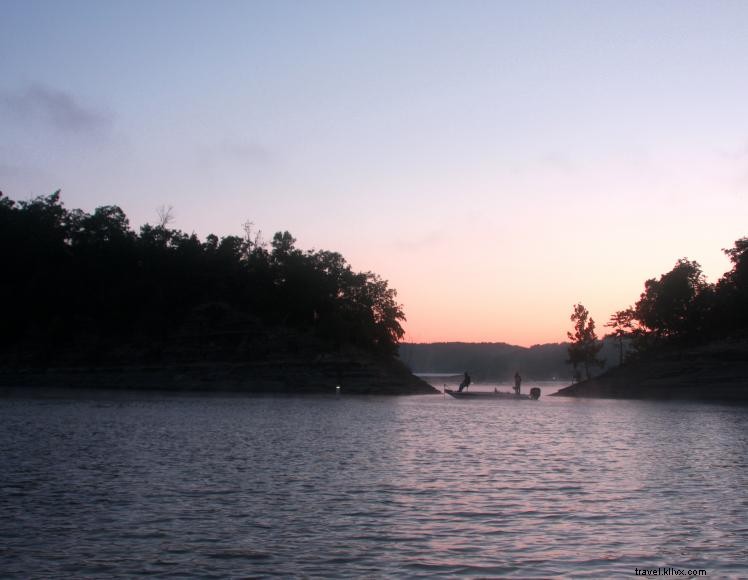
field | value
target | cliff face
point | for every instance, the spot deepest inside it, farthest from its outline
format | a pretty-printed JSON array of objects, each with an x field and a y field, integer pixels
[{"x": 717, "y": 370}]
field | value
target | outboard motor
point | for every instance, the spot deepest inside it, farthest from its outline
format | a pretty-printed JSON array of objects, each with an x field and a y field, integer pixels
[{"x": 535, "y": 393}]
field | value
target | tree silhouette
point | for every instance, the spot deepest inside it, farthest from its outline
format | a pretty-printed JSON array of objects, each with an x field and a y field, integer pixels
[
  {"x": 680, "y": 307},
  {"x": 675, "y": 305},
  {"x": 86, "y": 289},
  {"x": 622, "y": 323},
  {"x": 584, "y": 345},
  {"x": 731, "y": 292}
]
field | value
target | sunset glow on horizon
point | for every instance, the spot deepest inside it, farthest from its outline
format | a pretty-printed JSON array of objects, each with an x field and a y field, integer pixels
[{"x": 495, "y": 162}]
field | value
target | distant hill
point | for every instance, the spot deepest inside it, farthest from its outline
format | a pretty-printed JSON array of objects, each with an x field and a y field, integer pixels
[{"x": 495, "y": 361}]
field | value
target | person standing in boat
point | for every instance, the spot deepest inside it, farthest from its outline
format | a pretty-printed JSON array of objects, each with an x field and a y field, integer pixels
[
  {"x": 517, "y": 383},
  {"x": 465, "y": 382}
]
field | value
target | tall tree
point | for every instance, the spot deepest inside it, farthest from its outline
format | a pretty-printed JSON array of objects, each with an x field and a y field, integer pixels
[
  {"x": 622, "y": 325},
  {"x": 584, "y": 345},
  {"x": 732, "y": 290},
  {"x": 675, "y": 305}
]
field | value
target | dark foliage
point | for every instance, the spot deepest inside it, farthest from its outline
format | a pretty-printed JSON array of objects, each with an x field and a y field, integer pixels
[
  {"x": 85, "y": 288},
  {"x": 584, "y": 345},
  {"x": 681, "y": 308},
  {"x": 676, "y": 305}
]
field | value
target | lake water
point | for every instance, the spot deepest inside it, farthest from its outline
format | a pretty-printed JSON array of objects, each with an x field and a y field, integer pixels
[{"x": 100, "y": 485}]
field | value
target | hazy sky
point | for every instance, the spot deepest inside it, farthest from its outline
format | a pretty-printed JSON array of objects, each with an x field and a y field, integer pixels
[{"x": 495, "y": 161}]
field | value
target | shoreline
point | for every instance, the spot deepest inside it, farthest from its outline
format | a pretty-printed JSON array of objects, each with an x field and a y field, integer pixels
[
  {"x": 709, "y": 372},
  {"x": 272, "y": 377}
]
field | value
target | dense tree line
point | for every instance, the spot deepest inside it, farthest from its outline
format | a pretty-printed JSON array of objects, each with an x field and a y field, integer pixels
[
  {"x": 682, "y": 308},
  {"x": 86, "y": 285}
]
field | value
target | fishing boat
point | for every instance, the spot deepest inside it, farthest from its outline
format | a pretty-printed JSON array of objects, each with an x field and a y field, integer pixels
[{"x": 495, "y": 394}]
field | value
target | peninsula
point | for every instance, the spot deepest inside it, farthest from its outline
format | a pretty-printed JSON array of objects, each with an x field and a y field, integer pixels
[
  {"x": 684, "y": 338},
  {"x": 714, "y": 371},
  {"x": 98, "y": 305}
]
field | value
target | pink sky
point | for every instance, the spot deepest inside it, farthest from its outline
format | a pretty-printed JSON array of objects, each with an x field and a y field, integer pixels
[{"x": 496, "y": 162}]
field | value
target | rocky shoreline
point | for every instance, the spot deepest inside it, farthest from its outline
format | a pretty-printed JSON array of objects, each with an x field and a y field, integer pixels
[
  {"x": 715, "y": 371},
  {"x": 358, "y": 375}
]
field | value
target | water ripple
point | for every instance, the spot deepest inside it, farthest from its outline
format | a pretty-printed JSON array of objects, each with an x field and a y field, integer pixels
[{"x": 177, "y": 487}]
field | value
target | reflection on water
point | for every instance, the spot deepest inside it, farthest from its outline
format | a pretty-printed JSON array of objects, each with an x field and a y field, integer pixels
[{"x": 320, "y": 486}]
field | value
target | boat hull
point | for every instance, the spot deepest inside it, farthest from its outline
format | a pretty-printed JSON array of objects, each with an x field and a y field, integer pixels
[{"x": 489, "y": 395}]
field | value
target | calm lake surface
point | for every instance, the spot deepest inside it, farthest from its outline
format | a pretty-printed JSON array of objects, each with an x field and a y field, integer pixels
[{"x": 104, "y": 484}]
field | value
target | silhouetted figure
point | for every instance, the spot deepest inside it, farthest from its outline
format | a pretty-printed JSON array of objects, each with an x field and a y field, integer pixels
[
  {"x": 517, "y": 383},
  {"x": 465, "y": 382}
]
